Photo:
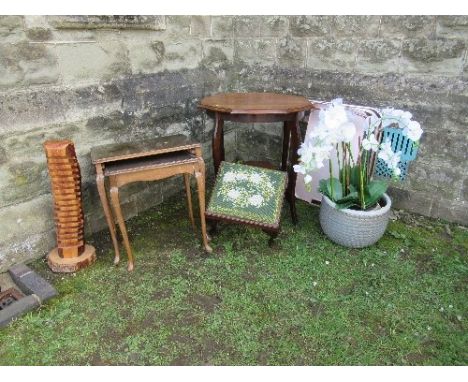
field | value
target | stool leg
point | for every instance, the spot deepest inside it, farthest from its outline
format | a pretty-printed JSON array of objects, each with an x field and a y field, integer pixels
[
  {"x": 114, "y": 191},
  {"x": 107, "y": 212},
  {"x": 189, "y": 199},
  {"x": 200, "y": 177}
]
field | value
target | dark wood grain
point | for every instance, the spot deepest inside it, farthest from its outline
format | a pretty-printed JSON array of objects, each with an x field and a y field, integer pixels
[{"x": 256, "y": 103}]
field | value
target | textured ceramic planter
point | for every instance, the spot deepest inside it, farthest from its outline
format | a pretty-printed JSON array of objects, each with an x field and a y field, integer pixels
[{"x": 353, "y": 228}]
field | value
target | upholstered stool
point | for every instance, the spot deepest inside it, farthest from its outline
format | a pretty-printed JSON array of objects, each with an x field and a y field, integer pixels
[{"x": 248, "y": 195}]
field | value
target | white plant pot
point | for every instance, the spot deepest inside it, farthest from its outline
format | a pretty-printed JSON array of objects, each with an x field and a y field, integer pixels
[{"x": 354, "y": 228}]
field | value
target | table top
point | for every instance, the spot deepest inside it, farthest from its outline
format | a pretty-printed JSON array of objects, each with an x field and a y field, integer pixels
[
  {"x": 256, "y": 103},
  {"x": 129, "y": 150}
]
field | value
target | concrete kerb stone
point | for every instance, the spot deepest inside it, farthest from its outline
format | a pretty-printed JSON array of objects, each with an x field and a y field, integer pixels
[
  {"x": 36, "y": 290},
  {"x": 17, "y": 309},
  {"x": 31, "y": 283}
]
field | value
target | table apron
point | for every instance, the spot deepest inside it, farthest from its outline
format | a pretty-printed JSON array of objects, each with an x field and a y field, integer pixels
[
  {"x": 253, "y": 118},
  {"x": 152, "y": 174}
]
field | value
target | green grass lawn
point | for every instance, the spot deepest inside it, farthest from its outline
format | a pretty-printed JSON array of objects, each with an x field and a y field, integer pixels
[{"x": 306, "y": 301}]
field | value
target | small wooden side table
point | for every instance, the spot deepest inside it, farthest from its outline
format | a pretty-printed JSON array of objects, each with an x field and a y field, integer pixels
[
  {"x": 260, "y": 107},
  {"x": 156, "y": 159}
]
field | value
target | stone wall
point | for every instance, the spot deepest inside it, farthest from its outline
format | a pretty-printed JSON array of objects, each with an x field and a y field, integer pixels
[{"x": 98, "y": 80}]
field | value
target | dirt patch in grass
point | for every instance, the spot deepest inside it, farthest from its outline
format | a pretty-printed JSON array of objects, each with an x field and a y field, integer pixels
[{"x": 207, "y": 303}]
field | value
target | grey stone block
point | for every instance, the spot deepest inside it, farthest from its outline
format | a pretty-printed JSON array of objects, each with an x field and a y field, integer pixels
[
  {"x": 407, "y": 26},
  {"x": 17, "y": 309},
  {"x": 31, "y": 283},
  {"x": 108, "y": 22},
  {"x": 274, "y": 26},
  {"x": 308, "y": 26}
]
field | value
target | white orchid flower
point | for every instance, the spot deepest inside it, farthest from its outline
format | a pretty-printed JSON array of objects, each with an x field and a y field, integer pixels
[
  {"x": 370, "y": 143},
  {"x": 386, "y": 151},
  {"x": 347, "y": 131},
  {"x": 299, "y": 168},
  {"x": 413, "y": 131}
]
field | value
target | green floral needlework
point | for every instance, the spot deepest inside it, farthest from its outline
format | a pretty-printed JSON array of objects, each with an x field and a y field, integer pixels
[{"x": 248, "y": 192}]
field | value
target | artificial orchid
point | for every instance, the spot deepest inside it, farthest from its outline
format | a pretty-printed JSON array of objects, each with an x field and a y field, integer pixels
[{"x": 335, "y": 129}]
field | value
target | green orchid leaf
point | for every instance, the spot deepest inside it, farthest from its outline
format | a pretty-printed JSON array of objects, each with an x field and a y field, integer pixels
[
  {"x": 348, "y": 201},
  {"x": 325, "y": 187},
  {"x": 374, "y": 191},
  {"x": 353, "y": 196}
]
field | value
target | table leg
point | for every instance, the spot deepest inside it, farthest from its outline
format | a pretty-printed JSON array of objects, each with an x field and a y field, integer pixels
[
  {"x": 218, "y": 142},
  {"x": 114, "y": 192},
  {"x": 200, "y": 177},
  {"x": 286, "y": 135},
  {"x": 107, "y": 211},
  {"x": 189, "y": 199},
  {"x": 292, "y": 176}
]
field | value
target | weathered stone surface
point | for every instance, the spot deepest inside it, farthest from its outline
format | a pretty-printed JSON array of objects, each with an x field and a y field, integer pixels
[
  {"x": 26, "y": 110},
  {"x": 291, "y": 52},
  {"x": 378, "y": 55},
  {"x": 26, "y": 218},
  {"x": 246, "y": 26},
  {"x": 36, "y": 21},
  {"x": 3, "y": 156},
  {"x": 451, "y": 210},
  {"x": 22, "y": 181},
  {"x": 146, "y": 56},
  {"x": 11, "y": 22},
  {"x": 274, "y": 26},
  {"x": 356, "y": 26},
  {"x": 464, "y": 191},
  {"x": 27, "y": 64},
  {"x": 177, "y": 29},
  {"x": 332, "y": 54},
  {"x": 311, "y": 26},
  {"x": 452, "y": 26},
  {"x": 440, "y": 55},
  {"x": 92, "y": 61},
  {"x": 108, "y": 22},
  {"x": 253, "y": 52},
  {"x": 437, "y": 178},
  {"x": 39, "y": 34},
  {"x": 258, "y": 146},
  {"x": 407, "y": 26},
  {"x": 182, "y": 55},
  {"x": 12, "y": 36},
  {"x": 217, "y": 54},
  {"x": 200, "y": 26},
  {"x": 222, "y": 27}
]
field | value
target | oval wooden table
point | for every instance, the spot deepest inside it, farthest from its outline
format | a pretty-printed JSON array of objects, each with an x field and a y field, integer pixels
[{"x": 260, "y": 107}]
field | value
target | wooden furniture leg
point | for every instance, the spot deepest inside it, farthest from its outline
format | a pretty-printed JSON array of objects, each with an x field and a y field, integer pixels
[
  {"x": 107, "y": 211},
  {"x": 189, "y": 199},
  {"x": 218, "y": 142},
  {"x": 286, "y": 135},
  {"x": 292, "y": 176},
  {"x": 114, "y": 193},
  {"x": 200, "y": 177}
]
